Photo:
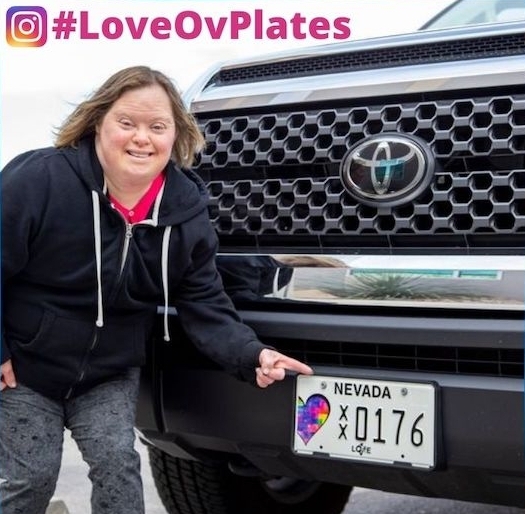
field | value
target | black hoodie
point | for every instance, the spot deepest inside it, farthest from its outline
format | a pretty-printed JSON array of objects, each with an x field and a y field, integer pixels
[{"x": 81, "y": 288}]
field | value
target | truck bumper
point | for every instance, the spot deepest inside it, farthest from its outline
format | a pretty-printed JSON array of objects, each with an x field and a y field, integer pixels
[{"x": 192, "y": 410}]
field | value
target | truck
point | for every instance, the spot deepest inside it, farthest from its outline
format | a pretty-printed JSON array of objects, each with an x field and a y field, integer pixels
[{"x": 369, "y": 199}]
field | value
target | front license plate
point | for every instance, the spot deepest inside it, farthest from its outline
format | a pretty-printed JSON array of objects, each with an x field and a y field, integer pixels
[{"x": 378, "y": 421}]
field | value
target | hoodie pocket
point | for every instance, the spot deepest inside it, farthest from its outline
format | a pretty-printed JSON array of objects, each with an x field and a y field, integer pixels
[
  {"x": 48, "y": 357},
  {"x": 46, "y": 323},
  {"x": 121, "y": 344},
  {"x": 58, "y": 337},
  {"x": 49, "y": 361}
]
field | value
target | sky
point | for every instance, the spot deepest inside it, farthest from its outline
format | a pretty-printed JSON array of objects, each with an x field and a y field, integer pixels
[{"x": 43, "y": 76}]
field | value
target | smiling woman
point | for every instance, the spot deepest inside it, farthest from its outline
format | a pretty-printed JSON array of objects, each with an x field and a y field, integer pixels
[
  {"x": 134, "y": 141},
  {"x": 97, "y": 232}
]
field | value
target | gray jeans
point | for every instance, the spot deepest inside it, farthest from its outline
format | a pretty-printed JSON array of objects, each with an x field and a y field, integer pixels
[{"x": 101, "y": 422}]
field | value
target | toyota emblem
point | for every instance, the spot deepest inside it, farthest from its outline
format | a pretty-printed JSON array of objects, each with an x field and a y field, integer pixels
[{"x": 387, "y": 169}]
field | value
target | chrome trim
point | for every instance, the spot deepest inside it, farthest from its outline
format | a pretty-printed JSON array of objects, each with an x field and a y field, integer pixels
[
  {"x": 381, "y": 42},
  {"x": 434, "y": 77},
  {"x": 445, "y": 281},
  {"x": 199, "y": 84}
]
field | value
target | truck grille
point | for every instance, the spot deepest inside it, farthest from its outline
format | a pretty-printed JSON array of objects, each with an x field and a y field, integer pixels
[
  {"x": 274, "y": 178},
  {"x": 441, "y": 51},
  {"x": 435, "y": 359}
]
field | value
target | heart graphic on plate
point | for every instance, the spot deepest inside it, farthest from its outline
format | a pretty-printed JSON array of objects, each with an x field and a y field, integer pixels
[{"x": 311, "y": 415}]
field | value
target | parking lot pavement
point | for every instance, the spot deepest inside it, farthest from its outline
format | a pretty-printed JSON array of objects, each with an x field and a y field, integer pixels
[{"x": 73, "y": 487}]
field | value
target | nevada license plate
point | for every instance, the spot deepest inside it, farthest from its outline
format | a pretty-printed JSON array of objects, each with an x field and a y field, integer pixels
[{"x": 380, "y": 421}]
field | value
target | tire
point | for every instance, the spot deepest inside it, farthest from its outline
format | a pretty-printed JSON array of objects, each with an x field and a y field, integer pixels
[{"x": 194, "y": 487}]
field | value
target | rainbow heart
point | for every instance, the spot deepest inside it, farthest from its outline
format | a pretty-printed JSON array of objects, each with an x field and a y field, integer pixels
[{"x": 311, "y": 415}]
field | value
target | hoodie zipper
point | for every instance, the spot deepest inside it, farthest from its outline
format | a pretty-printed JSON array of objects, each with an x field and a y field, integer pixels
[
  {"x": 82, "y": 371},
  {"x": 125, "y": 249}
]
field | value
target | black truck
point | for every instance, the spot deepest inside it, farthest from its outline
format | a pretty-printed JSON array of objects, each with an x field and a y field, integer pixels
[{"x": 369, "y": 197}]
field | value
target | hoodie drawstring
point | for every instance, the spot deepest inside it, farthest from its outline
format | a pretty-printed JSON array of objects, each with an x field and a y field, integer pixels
[
  {"x": 98, "y": 257},
  {"x": 165, "y": 286}
]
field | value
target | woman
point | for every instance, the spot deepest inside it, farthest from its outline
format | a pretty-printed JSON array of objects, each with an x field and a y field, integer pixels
[{"x": 97, "y": 232}]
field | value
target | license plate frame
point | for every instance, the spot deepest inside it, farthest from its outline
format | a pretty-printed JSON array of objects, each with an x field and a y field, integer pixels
[{"x": 381, "y": 421}]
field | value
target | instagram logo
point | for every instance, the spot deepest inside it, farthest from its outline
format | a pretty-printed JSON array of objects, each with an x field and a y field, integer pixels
[{"x": 26, "y": 26}]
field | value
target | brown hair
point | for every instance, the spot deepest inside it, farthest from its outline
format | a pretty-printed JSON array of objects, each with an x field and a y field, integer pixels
[{"x": 89, "y": 113}]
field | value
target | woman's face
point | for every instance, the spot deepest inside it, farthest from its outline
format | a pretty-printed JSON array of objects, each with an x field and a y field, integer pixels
[{"x": 135, "y": 138}]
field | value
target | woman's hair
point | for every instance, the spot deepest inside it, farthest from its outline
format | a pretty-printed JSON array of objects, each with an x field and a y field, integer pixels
[{"x": 88, "y": 114}]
